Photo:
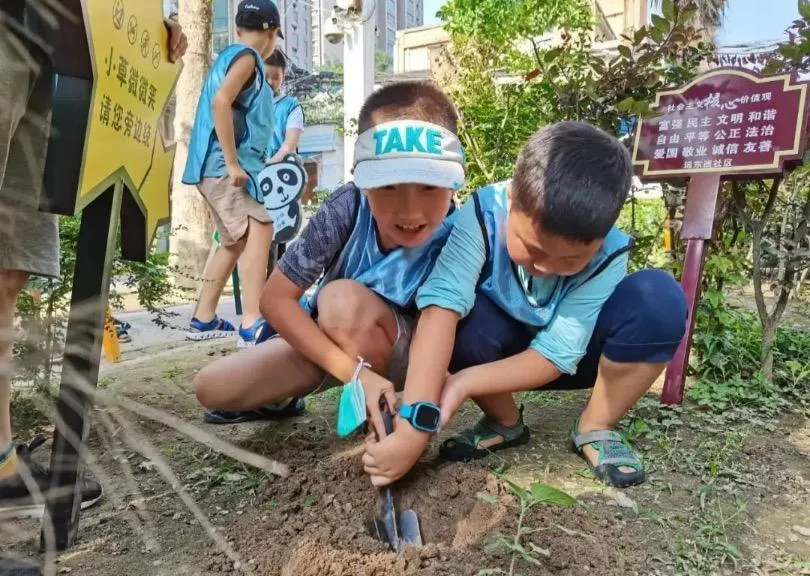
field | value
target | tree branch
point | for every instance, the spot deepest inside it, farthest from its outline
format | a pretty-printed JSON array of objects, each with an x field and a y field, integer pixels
[{"x": 772, "y": 194}]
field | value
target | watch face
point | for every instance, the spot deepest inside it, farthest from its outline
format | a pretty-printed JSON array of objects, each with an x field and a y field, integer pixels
[{"x": 426, "y": 417}]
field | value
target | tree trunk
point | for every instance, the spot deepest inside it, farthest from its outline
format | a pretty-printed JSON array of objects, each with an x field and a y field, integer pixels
[
  {"x": 191, "y": 223},
  {"x": 768, "y": 340}
]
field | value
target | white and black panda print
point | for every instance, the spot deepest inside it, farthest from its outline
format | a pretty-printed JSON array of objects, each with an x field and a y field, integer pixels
[{"x": 281, "y": 184}]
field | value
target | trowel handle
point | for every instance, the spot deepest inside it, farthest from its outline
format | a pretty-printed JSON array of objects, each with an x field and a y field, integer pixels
[{"x": 388, "y": 420}]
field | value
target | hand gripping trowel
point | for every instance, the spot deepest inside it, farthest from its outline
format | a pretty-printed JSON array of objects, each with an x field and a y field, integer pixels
[{"x": 398, "y": 532}]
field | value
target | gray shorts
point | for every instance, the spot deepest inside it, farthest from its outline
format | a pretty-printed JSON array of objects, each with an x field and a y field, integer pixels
[{"x": 29, "y": 237}]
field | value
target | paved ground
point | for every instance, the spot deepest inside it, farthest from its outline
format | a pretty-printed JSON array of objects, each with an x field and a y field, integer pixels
[{"x": 146, "y": 334}]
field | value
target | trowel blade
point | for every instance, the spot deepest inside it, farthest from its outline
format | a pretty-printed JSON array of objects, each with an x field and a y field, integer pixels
[{"x": 409, "y": 532}]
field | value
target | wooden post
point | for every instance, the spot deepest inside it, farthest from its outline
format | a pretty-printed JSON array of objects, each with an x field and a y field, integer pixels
[{"x": 698, "y": 222}]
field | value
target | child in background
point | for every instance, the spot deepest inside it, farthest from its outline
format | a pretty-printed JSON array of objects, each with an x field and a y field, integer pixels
[
  {"x": 288, "y": 116},
  {"x": 374, "y": 241},
  {"x": 226, "y": 153},
  {"x": 532, "y": 287}
]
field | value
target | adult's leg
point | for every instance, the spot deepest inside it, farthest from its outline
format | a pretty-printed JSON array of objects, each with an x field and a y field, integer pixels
[{"x": 11, "y": 283}]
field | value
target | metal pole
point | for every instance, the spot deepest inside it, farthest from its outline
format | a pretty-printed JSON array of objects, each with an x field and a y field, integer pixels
[{"x": 91, "y": 284}]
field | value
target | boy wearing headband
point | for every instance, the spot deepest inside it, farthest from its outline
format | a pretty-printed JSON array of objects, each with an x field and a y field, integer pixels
[
  {"x": 532, "y": 288},
  {"x": 232, "y": 127},
  {"x": 371, "y": 244}
]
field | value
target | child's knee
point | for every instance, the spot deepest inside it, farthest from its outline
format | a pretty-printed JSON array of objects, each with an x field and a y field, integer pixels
[
  {"x": 205, "y": 387},
  {"x": 656, "y": 298},
  {"x": 346, "y": 310},
  {"x": 644, "y": 320}
]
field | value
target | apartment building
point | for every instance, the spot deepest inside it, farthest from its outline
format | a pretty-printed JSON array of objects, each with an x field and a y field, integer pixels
[
  {"x": 296, "y": 22},
  {"x": 324, "y": 53},
  {"x": 296, "y": 19}
]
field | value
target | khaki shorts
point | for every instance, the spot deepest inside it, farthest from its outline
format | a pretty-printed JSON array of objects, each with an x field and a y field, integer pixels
[
  {"x": 231, "y": 207},
  {"x": 29, "y": 238}
]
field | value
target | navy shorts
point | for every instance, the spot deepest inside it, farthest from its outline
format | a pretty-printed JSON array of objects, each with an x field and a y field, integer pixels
[{"x": 644, "y": 320}]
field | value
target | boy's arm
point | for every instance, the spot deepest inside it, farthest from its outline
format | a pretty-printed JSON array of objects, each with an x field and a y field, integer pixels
[
  {"x": 239, "y": 74},
  {"x": 302, "y": 265},
  {"x": 292, "y": 135},
  {"x": 447, "y": 296},
  {"x": 556, "y": 350}
]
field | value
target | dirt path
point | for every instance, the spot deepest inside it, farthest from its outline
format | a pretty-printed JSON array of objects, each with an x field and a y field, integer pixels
[{"x": 722, "y": 498}]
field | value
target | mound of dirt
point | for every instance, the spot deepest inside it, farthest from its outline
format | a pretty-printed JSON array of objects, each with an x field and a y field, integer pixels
[{"x": 316, "y": 522}]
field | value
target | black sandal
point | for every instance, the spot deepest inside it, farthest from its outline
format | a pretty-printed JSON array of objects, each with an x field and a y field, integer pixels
[
  {"x": 464, "y": 447},
  {"x": 295, "y": 407}
]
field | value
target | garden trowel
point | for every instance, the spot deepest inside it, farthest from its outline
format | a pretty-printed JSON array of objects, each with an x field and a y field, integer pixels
[{"x": 398, "y": 532}]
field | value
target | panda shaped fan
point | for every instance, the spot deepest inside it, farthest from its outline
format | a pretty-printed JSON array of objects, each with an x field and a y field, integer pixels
[{"x": 282, "y": 184}]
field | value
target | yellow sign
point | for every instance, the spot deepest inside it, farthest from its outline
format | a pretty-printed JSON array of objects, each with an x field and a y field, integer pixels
[{"x": 133, "y": 80}]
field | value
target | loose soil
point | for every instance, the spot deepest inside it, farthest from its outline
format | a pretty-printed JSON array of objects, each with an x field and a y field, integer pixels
[{"x": 316, "y": 520}]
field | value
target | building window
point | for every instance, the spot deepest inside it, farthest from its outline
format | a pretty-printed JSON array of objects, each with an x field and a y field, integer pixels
[{"x": 219, "y": 35}]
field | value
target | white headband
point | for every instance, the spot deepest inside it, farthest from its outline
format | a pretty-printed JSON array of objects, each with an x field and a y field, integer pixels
[{"x": 408, "y": 151}]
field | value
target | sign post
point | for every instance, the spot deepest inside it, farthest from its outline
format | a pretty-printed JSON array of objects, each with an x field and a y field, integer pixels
[
  {"x": 108, "y": 160},
  {"x": 727, "y": 123}
]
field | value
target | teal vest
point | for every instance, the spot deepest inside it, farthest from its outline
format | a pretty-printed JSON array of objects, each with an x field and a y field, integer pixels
[
  {"x": 530, "y": 300},
  {"x": 394, "y": 275},
  {"x": 253, "y": 123},
  {"x": 281, "y": 112}
]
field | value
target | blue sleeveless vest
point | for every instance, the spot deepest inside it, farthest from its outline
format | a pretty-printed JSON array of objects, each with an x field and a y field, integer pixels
[
  {"x": 281, "y": 112},
  {"x": 394, "y": 275},
  {"x": 252, "y": 112},
  {"x": 530, "y": 300}
]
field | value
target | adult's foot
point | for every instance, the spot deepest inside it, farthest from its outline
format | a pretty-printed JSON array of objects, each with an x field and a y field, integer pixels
[{"x": 22, "y": 495}]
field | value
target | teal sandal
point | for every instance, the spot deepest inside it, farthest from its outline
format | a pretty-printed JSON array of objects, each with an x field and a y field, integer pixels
[
  {"x": 613, "y": 452},
  {"x": 464, "y": 447}
]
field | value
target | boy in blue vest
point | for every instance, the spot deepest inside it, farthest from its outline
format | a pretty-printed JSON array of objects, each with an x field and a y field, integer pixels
[
  {"x": 532, "y": 288},
  {"x": 226, "y": 153},
  {"x": 368, "y": 248},
  {"x": 288, "y": 116}
]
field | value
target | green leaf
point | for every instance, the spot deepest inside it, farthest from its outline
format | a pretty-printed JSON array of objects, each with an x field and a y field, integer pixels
[
  {"x": 639, "y": 36},
  {"x": 660, "y": 23},
  {"x": 545, "y": 494},
  {"x": 520, "y": 492},
  {"x": 625, "y": 51},
  {"x": 804, "y": 9},
  {"x": 668, "y": 8},
  {"x": 626, "y": 105},
  {"x": 552, "y": 55},
  {"x": 687, "y": 14}
]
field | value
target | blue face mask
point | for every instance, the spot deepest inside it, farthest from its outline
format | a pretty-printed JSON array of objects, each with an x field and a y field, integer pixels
[{"x": 352, "y": 412}]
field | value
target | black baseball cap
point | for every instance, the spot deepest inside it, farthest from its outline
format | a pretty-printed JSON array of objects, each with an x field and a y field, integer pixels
[{"x": 263, "y": 11}]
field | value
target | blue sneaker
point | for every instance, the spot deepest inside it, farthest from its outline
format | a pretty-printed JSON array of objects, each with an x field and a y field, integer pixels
[
  {"x": 216, "y": 328},
  {"x": 247, "y": 336}
]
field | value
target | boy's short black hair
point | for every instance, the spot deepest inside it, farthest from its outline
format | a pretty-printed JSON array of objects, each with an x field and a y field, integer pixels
[
  {"x": 413, "y": 100},
  {"x": 277, "y": 59},
  {"x": 572, "y": 179}
]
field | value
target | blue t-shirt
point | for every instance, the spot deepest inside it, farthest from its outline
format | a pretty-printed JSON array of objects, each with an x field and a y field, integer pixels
[{"x": 564, "y": 340}]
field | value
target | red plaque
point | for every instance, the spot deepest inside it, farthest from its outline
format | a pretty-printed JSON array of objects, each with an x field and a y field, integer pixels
[{"x": 728, "y": 121}]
